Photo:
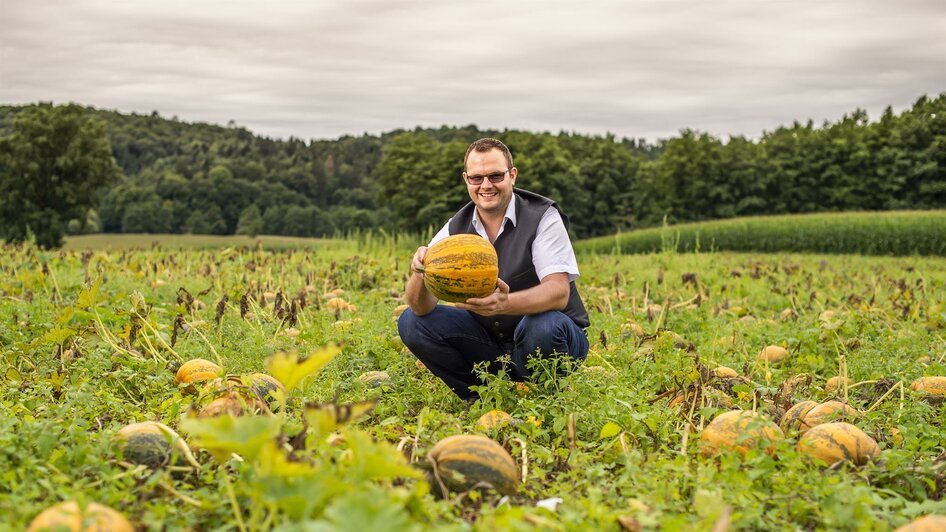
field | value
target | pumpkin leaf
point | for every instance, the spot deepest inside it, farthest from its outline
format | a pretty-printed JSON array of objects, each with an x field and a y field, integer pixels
[
  {"x": 324, "y": 418},
  {"x": 609, "y": 430},
  {"x": 225, "y": 435},
  {"x": 369, "y": 460},
  {"x": 286, "y": 367},
  {"x": 273, "y": 462}
]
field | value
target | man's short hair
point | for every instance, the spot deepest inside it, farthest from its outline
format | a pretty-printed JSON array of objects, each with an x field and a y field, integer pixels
[{"x": 486, "y": 144}]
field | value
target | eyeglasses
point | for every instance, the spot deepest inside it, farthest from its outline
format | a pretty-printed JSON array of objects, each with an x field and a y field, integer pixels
[{"x": 495, "y": 177}]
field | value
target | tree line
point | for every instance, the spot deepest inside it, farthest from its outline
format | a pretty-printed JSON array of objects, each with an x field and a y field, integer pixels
[{"x": 175, "y": 177}]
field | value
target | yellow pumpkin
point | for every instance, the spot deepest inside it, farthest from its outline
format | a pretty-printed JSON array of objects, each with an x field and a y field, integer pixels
[
  {"x": 927, "y": 523},
  {"x": 722, "y": 372},
  {"x": 930, "y": 385},
  {"x": 836, "y": 383},
  {"x": 793, "y": 417},
  {"x": 460, "y": 267},
  {"x": 833, "y": 442},
  {"x": 773, "y": 354},
  {"x": 827, "y": 411},
  {"x": 493, "y": 419},
  {"x": 68, "y": 516},
  {"x": 465, "y": 460},
  {"x": 738, "y": 430}
]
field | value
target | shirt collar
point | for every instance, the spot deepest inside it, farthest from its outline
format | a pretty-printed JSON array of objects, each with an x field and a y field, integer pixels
[{"x": 510, "y": 215}]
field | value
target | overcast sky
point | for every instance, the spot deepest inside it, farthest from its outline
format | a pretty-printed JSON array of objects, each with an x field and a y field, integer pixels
[{"x": 320, "y": 69}]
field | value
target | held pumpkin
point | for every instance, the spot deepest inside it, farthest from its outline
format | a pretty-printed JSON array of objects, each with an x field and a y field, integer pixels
[
  {"x": 68, "y": 516},
  {"x": 465, "y": 460},
  {"x": 460, "y": 267}
]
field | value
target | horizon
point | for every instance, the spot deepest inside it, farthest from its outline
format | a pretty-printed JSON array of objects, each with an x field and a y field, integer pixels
[{"x": 650, "y": 142}]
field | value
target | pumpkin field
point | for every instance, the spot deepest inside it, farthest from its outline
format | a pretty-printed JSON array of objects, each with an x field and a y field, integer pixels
[{"x": 722, "y": 391}]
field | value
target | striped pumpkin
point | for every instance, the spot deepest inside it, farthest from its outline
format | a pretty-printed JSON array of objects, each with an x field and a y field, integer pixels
[
  {"x": 833, "y": 442},
  {"x": 152, "y": 444},
  {"x": 264, "y": 386},
  {"x": 460, "y": 267},
  {"x": 465, "y": 460}
]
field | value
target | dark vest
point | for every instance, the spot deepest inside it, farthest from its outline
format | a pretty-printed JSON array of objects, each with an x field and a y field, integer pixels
[{"x": 514, "y": 248}]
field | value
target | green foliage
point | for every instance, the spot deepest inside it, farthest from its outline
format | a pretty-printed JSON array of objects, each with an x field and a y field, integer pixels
[
  {"x": 889, "y": 233},
  {"x": 409, "y": 180},
  {"x": 54, "y": 164},
  {"x": 89, "y": 342}
]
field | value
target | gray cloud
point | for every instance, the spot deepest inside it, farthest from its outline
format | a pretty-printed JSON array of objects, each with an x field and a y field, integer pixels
[{"x": 323, "y": 69}]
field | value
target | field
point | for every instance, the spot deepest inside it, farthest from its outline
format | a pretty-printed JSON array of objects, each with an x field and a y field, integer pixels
[{"x": 91, "y": 341}]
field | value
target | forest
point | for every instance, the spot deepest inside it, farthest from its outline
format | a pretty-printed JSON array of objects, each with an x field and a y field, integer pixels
[{"x": 179, "y": 177}]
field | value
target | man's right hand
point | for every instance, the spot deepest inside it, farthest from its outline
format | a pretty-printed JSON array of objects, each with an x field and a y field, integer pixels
[{"x": 417, "y": 263}]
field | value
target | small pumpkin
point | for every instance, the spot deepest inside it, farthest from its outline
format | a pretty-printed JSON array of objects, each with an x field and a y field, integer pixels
[
  {"x": 836, "y": 383},
  {"x": 773, "y": 354},
  {"x": 375, "y": 379},
  {"x": 738, "y": 430},
  {"x": 68, "y": 516},
  {"x": 460, "y": 267},
  {"x": 152, "y": 444},
  {"x": 494, "y": 419},
  {"x": 465, "y": 460},
  {"x": 722, "y": 372},
  {"x": 833, "y": 442},
  {"x": 194, "y": 371},
  {"x": 232, "y": 404}
]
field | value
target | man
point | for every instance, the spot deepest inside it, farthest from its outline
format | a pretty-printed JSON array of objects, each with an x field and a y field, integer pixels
[{"x": 535, "y": 307}]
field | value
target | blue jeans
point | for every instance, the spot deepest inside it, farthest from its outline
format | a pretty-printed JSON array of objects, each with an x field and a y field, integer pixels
[{"x": 449, "y": 341}]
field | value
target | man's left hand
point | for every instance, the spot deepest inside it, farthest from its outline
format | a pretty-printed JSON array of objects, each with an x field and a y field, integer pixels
[{"x": 495, "y": 303}]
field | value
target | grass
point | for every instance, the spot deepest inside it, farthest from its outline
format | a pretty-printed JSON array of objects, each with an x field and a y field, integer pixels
[
  {"x": 116, "y": 241},
  {"x": 69, "y": 381}
]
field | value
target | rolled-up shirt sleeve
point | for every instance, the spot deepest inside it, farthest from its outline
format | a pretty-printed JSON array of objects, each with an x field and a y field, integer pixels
[{"x": 552, "y": 250}]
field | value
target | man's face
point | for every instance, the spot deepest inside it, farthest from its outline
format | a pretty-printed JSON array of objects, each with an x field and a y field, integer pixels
[{"x": 491, "y": 199}]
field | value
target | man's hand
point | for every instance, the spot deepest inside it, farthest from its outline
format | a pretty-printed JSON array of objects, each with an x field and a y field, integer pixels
[
  {"x": 416, "y": 294},
  {"x": 417, "y": 263},
  {"x": 495, "y": 303}
]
